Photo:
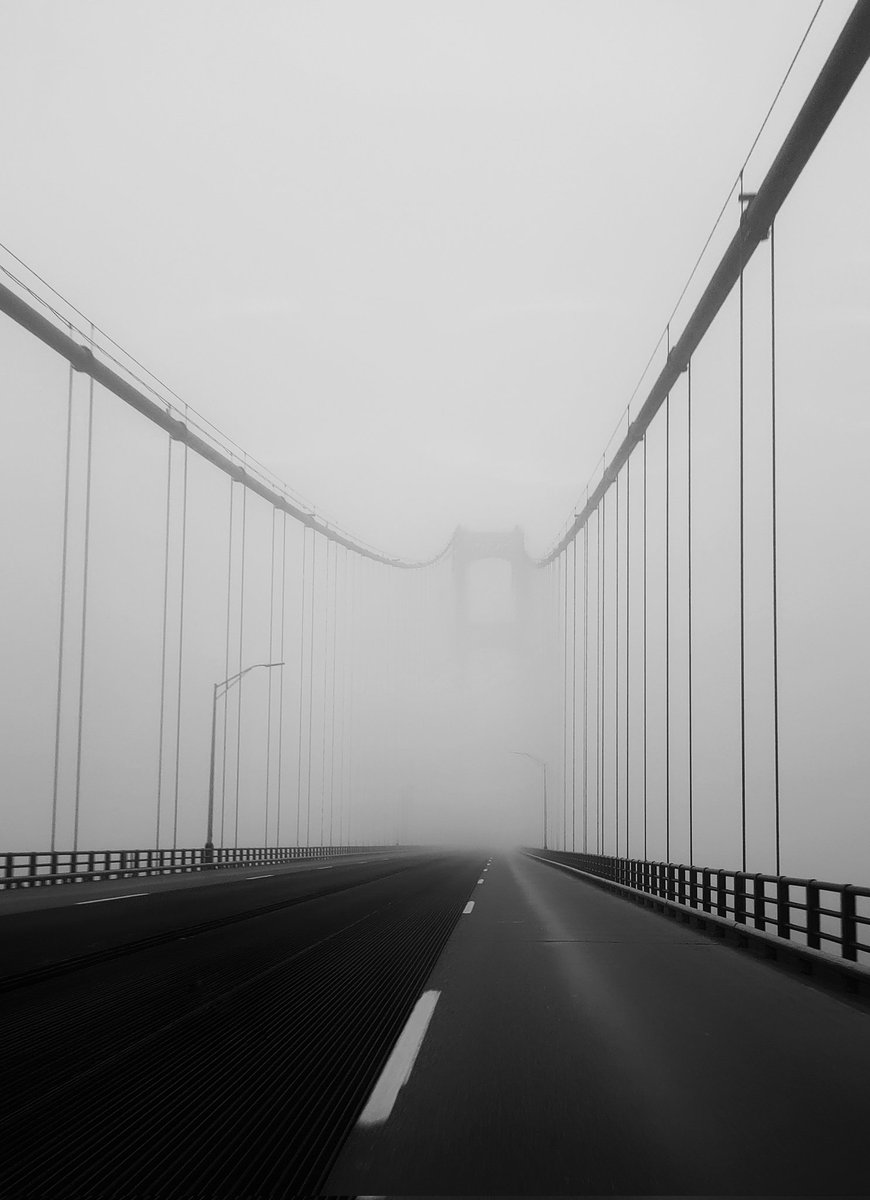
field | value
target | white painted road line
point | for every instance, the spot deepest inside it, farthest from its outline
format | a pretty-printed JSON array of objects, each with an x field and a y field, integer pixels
[
  {"x": 106, "y": 899},
  {"x": 469, "y": 906},
  {"x": 271, "y": 876},
  {"x": 400, "y": 1063},
  {"x": 480, "y": 880}
]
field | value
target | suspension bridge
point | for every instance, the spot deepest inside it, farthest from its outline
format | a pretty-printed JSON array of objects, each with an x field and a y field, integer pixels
[{"x": 391, "y": 891}]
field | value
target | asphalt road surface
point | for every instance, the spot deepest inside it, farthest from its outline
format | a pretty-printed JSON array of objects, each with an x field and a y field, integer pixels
[
  {"x": 208, "y": 1035},
  {"x": 569, "y": 1042}
]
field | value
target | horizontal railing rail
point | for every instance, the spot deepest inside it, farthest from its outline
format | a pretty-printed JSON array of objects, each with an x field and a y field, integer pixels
[
  {"x": 825, "y": 916},
  {"x": 40, "y": 868}
]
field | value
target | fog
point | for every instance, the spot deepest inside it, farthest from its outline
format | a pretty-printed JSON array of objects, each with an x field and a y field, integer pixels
[{"x": 413, "y": 259}]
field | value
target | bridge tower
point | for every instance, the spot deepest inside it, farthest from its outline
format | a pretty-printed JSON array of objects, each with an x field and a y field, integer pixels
[{"x": 507, "y": 632}]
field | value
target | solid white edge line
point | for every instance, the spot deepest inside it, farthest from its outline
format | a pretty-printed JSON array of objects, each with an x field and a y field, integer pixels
[
  {"x": 469, "y": 906},
  {"x": 269, "y": 876},
  {"x": 106, "y": 899},
  {"x": 400, "y": 1063}
]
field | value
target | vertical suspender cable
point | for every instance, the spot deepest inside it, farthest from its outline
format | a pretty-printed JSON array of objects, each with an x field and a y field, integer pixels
[
  {"x": 616, "y": 681},
  {"x": 63, "y": 562},
  {"x": 325, "y": 697},
  {"x": 347, "y": 757},
  {"x": 269, "y": 681},
  {"x": 241, "y": 650},
  {"x": 586, "y": 688},
  {"x": 338, "y": 762},
  {"x": 668, "y": 628},
  {"x": 774, "y": 556},
  {"x": 646, "y": 851},
  {"x": 564, "y": 706},
  {"x": 301, "y": 688},
  {"x": 84, "y": 627},
  {"x": 742, "y": 592},
  {"x": 311, "y": 683},
  {"x": 574, "y": 699},
  {"x": 160, "y": 737},
  {"x": 603, "y": 671},
  {"x": 627, "y": 643},
  {"x": 597, "y": 670},
  {"x": 180, "y": 649},
  {"x": 689, "y": 630},
  {"x": 282, "y": 676},
  {"x": 227, "y": 660},
  {"x": 332, "y": 700}
]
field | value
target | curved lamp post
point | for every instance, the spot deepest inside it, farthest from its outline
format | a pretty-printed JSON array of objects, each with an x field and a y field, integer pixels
[
  {"x": 221, "y": 689},
  {"x": 542, "y": 764}
]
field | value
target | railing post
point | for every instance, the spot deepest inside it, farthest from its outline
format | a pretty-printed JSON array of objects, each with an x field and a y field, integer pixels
[
  {"x": 813, "y": 923},
  {"x": 760, "y": 917},
  {"x": 848, "y": 923},
  {"x": 705, "y": 890},
  {"x": 782, "y": 907},
  {"x": 721, "y": 894},
  {"x": 739, "y": 897},
  {"x": 681, "y": 884}
]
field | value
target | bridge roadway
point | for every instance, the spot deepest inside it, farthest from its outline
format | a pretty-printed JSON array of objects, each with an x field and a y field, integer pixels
[
  {"x": 208, "y": 1034},
  {"x": 221, "y": 1035},
  {"x": 583, "y": 1045}
]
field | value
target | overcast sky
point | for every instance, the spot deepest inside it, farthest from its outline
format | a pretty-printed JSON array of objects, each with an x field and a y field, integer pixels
[{"x": 413, "y": 254}]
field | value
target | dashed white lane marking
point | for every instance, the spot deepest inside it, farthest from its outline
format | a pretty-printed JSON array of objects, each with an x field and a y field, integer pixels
[
  {"x": 400, "y": 1063},
  {"x": 269, "y": 876},
  {"x": 106, "y": 899},
  {"x": 469, "y": 906},
  {"x": 480, "y": 880}
]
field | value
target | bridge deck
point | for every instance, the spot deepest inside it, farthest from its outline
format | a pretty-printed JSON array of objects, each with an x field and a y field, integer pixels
[
  {"x": 583, "y": 1045},
  {"x": 208, "y": 1038}
]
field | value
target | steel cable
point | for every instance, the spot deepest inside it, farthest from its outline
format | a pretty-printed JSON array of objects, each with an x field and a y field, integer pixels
[
  {"x": 62, "y": 629},
  {"x": 84, "y": 623},
  {"x": 227, "y": 660},
  {"x": 180, "y": 650},
  {"x": 773, "y": 548}
]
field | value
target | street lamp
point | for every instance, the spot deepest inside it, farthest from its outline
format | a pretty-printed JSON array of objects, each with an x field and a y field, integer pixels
[
  {"x": 225, "y": 684},
  {"x": 542, "y": 764}
]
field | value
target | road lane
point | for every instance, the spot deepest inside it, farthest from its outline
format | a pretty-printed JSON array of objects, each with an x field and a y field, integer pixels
[
  {"x": 585, "y": 1045},
  {"x": 23, "y": 899},
  {"x": 229, "y": 1063},
  {"x": 36, "y": 934}
]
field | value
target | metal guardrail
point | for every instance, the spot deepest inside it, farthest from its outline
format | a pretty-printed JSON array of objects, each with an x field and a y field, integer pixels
[
  {"x": 824, "y": 916},
  {"x": 41, "y": 868}
]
